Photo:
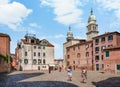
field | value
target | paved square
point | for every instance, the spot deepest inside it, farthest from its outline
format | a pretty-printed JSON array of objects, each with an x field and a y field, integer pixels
[{"x": 57, "y": 79}]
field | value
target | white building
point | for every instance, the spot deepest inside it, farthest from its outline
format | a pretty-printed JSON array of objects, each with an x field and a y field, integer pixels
[{"x": 35, "y": 54}]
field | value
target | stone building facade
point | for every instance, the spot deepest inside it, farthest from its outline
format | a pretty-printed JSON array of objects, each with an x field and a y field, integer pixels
[
  {"x": 5, "y": 65},
  {"x": 35, "y": 54}
]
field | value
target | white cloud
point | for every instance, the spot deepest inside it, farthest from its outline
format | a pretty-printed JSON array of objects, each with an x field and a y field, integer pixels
[
  {"x": 2, "y": 2},
  {"x": 59, "y": 36},
  {"x": 67, "y": 11},
  {"x": 13, "y": 14},
  {"x": 111, "y": 5},
  {"x": 34, "y": 25},
  {"x": 53, "y": 37}
]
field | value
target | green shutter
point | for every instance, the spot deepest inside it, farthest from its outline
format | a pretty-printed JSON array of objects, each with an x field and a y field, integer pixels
[
  {"x": 107, "y": 53},
  {"x": 118, "y": 66}
]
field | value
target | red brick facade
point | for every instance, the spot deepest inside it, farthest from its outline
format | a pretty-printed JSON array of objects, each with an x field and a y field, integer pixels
[
  {"x": 112, "y": 60},
  {"x": 91, "y": 54},
  {"x": 4, "y": 51},
  {"x": 80, "y": 55}
]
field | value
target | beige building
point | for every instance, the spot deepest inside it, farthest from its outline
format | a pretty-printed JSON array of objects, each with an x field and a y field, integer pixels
[
  {"x": 70, "y": 41},
  {"x": 35, "y": 54},
  {"x": 5, "y": 53}
]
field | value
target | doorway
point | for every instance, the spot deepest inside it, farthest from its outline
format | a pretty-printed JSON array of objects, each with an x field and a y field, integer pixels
[
  {"x": 97, "y": 67},
  {"x": 38, "y": 67}
]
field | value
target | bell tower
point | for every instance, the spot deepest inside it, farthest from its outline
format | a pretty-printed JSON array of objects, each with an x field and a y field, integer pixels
[
  {"x": 92, "y": 27},
  {"x": 69, "y": 34}
]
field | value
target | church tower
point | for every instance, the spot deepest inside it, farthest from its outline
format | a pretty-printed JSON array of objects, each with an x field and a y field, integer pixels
[
  {"x": 92, "y": 27},
  {"x": 69, "y": 34}
]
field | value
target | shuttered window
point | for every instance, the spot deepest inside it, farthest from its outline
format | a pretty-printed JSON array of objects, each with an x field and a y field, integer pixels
[
  {"x": 118, "y": 66},
  {"x": 107, "y": 54}
]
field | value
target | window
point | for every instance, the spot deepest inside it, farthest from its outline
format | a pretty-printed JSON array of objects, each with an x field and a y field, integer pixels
[
  {"x": 78, "y": 55},
  {"x": 107, "y": 53},
  {"x": 118, "y": 66},
  {"x": 73, "y": 62},
  {"x": 68, "y": 63},
  {"x": 39, "y": 47},
  {"x": 87, "y": 54},
  {"x": 97, "y": 58},
  {"x": 34, "y": 53},
  {"x": 39, "y": 61},
  {"x": 43, "y": 61},
  {"x": 26, "y": 61},
  {"x": 25, "y": 53},
  {"x": 32, "y": 41},
  {"x": 110, "y": 37},
  {"x": 103, "y": 47},
  {"x": 97, "y": 49},
  {"x": 97, "y": 41},
  {"x": 102, "y": 57},
  {"x": 68, "y": 56},
  {"x": 43, "y": 54},
  {"x": 103, "y": 39},
  {"x": 43, "y": 47},
  {"x": 34, "y": 61},
  {"x": 34, "y": 47},
  {"x": 39, "y": 54}
]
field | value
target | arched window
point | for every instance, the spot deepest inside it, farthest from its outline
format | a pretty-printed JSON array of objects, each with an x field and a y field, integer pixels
[
  {"x": 26, "y": 61},
  {"x": 34, "y": 61}
]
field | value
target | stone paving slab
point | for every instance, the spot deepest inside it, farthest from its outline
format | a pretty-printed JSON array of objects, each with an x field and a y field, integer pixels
[{"x": 57, "y": 79}]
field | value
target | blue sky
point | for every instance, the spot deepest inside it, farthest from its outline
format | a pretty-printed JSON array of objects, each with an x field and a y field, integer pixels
[{"x": 50, "y": 19}]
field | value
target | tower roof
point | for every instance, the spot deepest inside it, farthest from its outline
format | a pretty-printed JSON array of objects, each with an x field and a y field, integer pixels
[
  {"x": 91, "y": 17},
  {"x": 69, "y": 31},
  {"x": 69, "y": 34}
]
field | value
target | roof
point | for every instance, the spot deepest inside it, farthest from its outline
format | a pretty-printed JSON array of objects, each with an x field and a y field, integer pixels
[
  {"x": 37, "y": 42},
  {"x": 106, "y": 33},
  {"x": 75, "y": 40},
  {"x": 112, "y": 48},
  {"x": 5, "y": 35},
  {"x": 83, "y": 43}
]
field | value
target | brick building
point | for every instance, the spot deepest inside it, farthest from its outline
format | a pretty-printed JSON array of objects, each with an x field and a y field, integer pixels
[
  {"x": 91, "y": 54},
  {"x": 4, "y": 52},
  {"x": 112, "y": 60},
  {"x": 110, "y": 39}
]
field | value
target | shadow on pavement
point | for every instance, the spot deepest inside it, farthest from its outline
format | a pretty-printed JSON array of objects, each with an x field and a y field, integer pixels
[
  {"x": 44, "y": 84},
  {"x": 110, "y": 82},
  {"x": 7, "y": 80},
  {"x": 16, "y": 81}
]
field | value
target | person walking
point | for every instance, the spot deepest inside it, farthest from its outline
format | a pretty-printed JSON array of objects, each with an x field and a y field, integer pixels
[
  {"x": 69, "y": 72},
  {"x": 83, "y": 75}
]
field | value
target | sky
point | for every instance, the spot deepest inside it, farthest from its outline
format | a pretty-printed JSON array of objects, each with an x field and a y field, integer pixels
[{"x": 50, "y": 19}]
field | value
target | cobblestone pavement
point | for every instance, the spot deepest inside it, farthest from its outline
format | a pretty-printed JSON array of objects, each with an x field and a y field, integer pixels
[{"x": 57, "y": 79}]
